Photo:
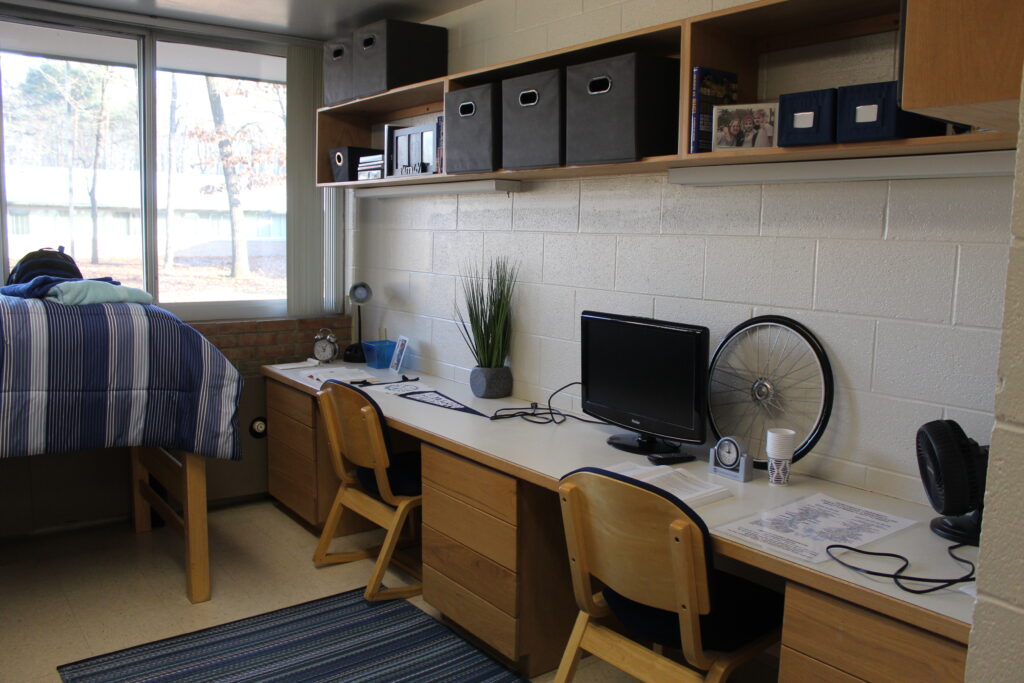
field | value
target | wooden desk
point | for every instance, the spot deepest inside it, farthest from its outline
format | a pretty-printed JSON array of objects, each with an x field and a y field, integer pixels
[{"x": 498, "y": 532}]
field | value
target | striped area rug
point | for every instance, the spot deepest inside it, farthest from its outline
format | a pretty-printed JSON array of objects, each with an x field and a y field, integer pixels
[{"x": 340, "y": 638}]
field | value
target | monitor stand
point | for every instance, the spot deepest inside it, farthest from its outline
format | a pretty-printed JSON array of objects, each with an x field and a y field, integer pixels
[{"x": 658, "y": 451}]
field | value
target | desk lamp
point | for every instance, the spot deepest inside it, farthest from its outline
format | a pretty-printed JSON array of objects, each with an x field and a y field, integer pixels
[
  {"x": 358, "y": 294},
  {"x": 953, "y": 469}
]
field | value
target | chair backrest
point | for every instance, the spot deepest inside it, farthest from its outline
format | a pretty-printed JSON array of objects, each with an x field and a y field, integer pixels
[
  {"x": 643, "y": 543},
  {"x": 356, "y": 433}
]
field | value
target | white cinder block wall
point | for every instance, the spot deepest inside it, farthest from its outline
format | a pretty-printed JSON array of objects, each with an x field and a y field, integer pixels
[
  {"x": 995, "y": 653},
  {"x": 902, "y": 281}
]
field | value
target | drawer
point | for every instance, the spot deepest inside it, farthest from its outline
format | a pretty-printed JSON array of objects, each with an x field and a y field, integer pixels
[
  {"x": 866, "y": 644},
  {"x": 291, "y": 478},
  {"x": 486, "y": 578},
  {"x": 479, "y": 531},
  {"x": 286, "y": 430},
  {"x": 795, "y": 667},
  {"x": 473, "y": 613},
  {"x": 479, "y": 486},
  {"x": 297, "y": 405}
]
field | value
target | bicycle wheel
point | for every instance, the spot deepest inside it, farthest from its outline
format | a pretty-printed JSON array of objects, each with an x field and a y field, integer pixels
[{"x": 770, "y": 372}]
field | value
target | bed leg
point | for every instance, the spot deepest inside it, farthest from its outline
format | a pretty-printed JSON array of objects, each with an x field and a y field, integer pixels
[
  {"x": 140, "y": 507},
  {"x": 197, "y": 544}
]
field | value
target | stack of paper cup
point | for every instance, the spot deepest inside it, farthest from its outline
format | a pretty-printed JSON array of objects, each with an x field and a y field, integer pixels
[{"x": 779, "y": 444}]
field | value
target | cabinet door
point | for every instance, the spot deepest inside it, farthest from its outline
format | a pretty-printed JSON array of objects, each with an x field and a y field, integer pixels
[{"x": 962, "y": 60}]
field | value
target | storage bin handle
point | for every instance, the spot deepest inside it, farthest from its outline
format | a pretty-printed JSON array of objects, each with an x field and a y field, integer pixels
[
  {"x": 467, "y": 109},
  {"x": 529, "y": 98},
  {"x": 338, "y": 52},
  {"x": 369, "y": 41},
  {"x": 599, "y": 85}
]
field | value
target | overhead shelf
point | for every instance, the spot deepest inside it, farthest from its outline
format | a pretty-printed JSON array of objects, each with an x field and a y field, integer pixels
[{"x": 734, "y": 39}]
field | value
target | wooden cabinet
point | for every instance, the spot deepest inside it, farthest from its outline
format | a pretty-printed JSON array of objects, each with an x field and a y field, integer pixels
[
  {"x": 738, "y": 39},
  {"x": 300, "y": 475},
  {"x": 494, "y": 559},
  {"x": 962, "y": 60},
  {"x": 828, "y": 639}
]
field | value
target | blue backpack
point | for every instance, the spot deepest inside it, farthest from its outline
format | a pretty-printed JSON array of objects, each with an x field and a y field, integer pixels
[{"x": 44, "y": 261}]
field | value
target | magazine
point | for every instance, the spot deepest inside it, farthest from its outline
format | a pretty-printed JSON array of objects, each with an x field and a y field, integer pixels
[{"x": 690, "y": 489}]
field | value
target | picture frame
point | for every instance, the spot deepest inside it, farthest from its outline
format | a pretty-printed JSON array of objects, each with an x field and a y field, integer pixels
[
  {"x": 745, "y": 126},
  {"x": 398, "y": 358}
]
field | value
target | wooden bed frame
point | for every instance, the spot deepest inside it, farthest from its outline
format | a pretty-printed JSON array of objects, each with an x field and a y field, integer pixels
[{"x": 183, "y": 475}]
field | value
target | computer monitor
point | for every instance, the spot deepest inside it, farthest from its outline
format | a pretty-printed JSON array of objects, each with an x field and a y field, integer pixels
[{"x": 649, "y": 376}]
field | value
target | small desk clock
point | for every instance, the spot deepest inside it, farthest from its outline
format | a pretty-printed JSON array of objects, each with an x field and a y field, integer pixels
[
  {"x": 728, "y": 459},
  {"x": 325, "y": 346}
]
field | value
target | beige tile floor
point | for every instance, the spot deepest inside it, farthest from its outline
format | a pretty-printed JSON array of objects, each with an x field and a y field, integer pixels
[{"x": 82, "y": 593}]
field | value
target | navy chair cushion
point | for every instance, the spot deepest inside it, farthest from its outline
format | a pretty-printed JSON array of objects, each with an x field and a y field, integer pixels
[
  {"x": 742, "y": 611},
  {"x": 403, "y": 475}
]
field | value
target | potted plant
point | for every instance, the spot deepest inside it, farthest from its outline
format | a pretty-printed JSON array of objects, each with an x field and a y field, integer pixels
[{"x": 487, "y": 326}]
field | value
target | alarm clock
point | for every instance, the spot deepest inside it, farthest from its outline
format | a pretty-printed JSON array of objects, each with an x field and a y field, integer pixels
[
  {"x": 325, "y": 346},
  {"x": 728, "y": 459}
]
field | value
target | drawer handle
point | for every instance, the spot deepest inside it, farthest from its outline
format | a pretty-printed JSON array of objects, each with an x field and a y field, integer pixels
[
  {"x": 369, "y": 41},
  {"x": 467, "y": 109},
  {"x": 338, "y": 53},
  {"x": 528, "y": 98},
  {"x": 599, "y": 85}
]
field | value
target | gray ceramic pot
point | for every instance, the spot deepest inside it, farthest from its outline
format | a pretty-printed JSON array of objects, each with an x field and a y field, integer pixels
[{"x": 491, "y": 382}]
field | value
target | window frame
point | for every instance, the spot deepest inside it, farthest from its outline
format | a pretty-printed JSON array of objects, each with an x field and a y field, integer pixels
[{"x": 147, "y": 31}]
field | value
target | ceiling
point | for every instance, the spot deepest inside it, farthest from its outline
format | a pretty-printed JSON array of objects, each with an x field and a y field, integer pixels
[{"x": 317, "y": 19}]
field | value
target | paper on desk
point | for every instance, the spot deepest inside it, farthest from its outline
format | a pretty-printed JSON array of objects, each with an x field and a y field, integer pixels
[
  {"x": 308, "y": 363},
  {"x": 324, "y": 373},
  {"x": 690, "y": 489},
  {"x": 805, "y": 527}
]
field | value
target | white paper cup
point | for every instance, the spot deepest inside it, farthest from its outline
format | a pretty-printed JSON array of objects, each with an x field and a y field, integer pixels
[{"x": 779, "y": 445}]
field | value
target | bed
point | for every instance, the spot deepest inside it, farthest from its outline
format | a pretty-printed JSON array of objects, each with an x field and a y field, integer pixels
[{"x": 75, "y": 378}]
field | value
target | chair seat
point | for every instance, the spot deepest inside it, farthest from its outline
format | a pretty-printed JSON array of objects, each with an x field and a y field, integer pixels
[
  {"x": 742, "y": 611},
  {"x": 403, "y": 475}
]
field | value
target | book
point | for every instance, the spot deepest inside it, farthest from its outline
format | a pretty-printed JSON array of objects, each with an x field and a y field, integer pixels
[
  {"x": 688, "y": 488},
  {"x": 710, "y": 87}
]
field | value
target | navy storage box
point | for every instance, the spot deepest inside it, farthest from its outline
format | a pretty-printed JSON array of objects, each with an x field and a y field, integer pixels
[
  {"x": 338, "y": 85},
  {"x": 472, "y": 129},
  {"x": 621, "y": 109},
  {"x": 390, "y": 53},
  {"x": 533, "y": 120},
  {"x": 807, "y": 118},
  {"x": 870, "y": 112}
]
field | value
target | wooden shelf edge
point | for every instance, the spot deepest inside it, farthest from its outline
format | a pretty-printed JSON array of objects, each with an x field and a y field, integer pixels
[{"x": 971, "y": 142}]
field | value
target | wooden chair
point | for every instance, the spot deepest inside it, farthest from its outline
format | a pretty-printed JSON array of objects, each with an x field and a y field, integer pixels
[
  {"x": 651, "y": 553},
  {"x": 382, "y": 486}
]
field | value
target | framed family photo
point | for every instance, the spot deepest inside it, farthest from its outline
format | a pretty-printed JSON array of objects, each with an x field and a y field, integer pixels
[{"x": 745, "y": 126}]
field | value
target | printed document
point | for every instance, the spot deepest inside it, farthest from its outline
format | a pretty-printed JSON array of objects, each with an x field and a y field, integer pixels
[
  {"x": 688, "y": 488},
  {"x": 803, "y": 528}
]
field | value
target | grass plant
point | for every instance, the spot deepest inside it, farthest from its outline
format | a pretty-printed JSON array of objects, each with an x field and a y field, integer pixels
[{"x": 487, "y": 323}]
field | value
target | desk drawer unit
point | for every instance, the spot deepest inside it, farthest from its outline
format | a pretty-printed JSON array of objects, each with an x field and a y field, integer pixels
[
  {"x": 299, "y": 471},
  {"x": 862, "y": 644},
  {"x": 494, "y": 559}
]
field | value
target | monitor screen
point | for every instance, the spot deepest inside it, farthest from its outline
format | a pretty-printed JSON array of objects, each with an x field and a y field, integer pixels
[{"x": 649, "y": 376}]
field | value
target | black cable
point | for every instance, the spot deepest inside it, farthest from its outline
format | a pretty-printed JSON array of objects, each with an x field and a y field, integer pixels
[
  {"x": 542, "y": 416},
  {"x": 898, "y": 575}
]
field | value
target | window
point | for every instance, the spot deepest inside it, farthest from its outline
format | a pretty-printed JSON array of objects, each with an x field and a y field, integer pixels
[
  {"x": 74, "y": 168},
  {"x": 221, "y": 167},
  {"x": 71, "y": 147}
]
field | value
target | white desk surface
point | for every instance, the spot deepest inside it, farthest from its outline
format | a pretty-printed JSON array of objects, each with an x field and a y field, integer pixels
[{"x": 544, "y": 453}]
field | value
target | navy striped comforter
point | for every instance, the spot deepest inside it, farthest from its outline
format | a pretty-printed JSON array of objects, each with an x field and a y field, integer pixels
[{"x": 76, "y": 378}]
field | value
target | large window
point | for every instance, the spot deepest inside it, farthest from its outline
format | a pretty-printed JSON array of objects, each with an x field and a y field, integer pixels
[
  {"x": 221, "y": 174},
  {"x": 74, "y": 170},
  {"x": 71, "y": 148}
]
